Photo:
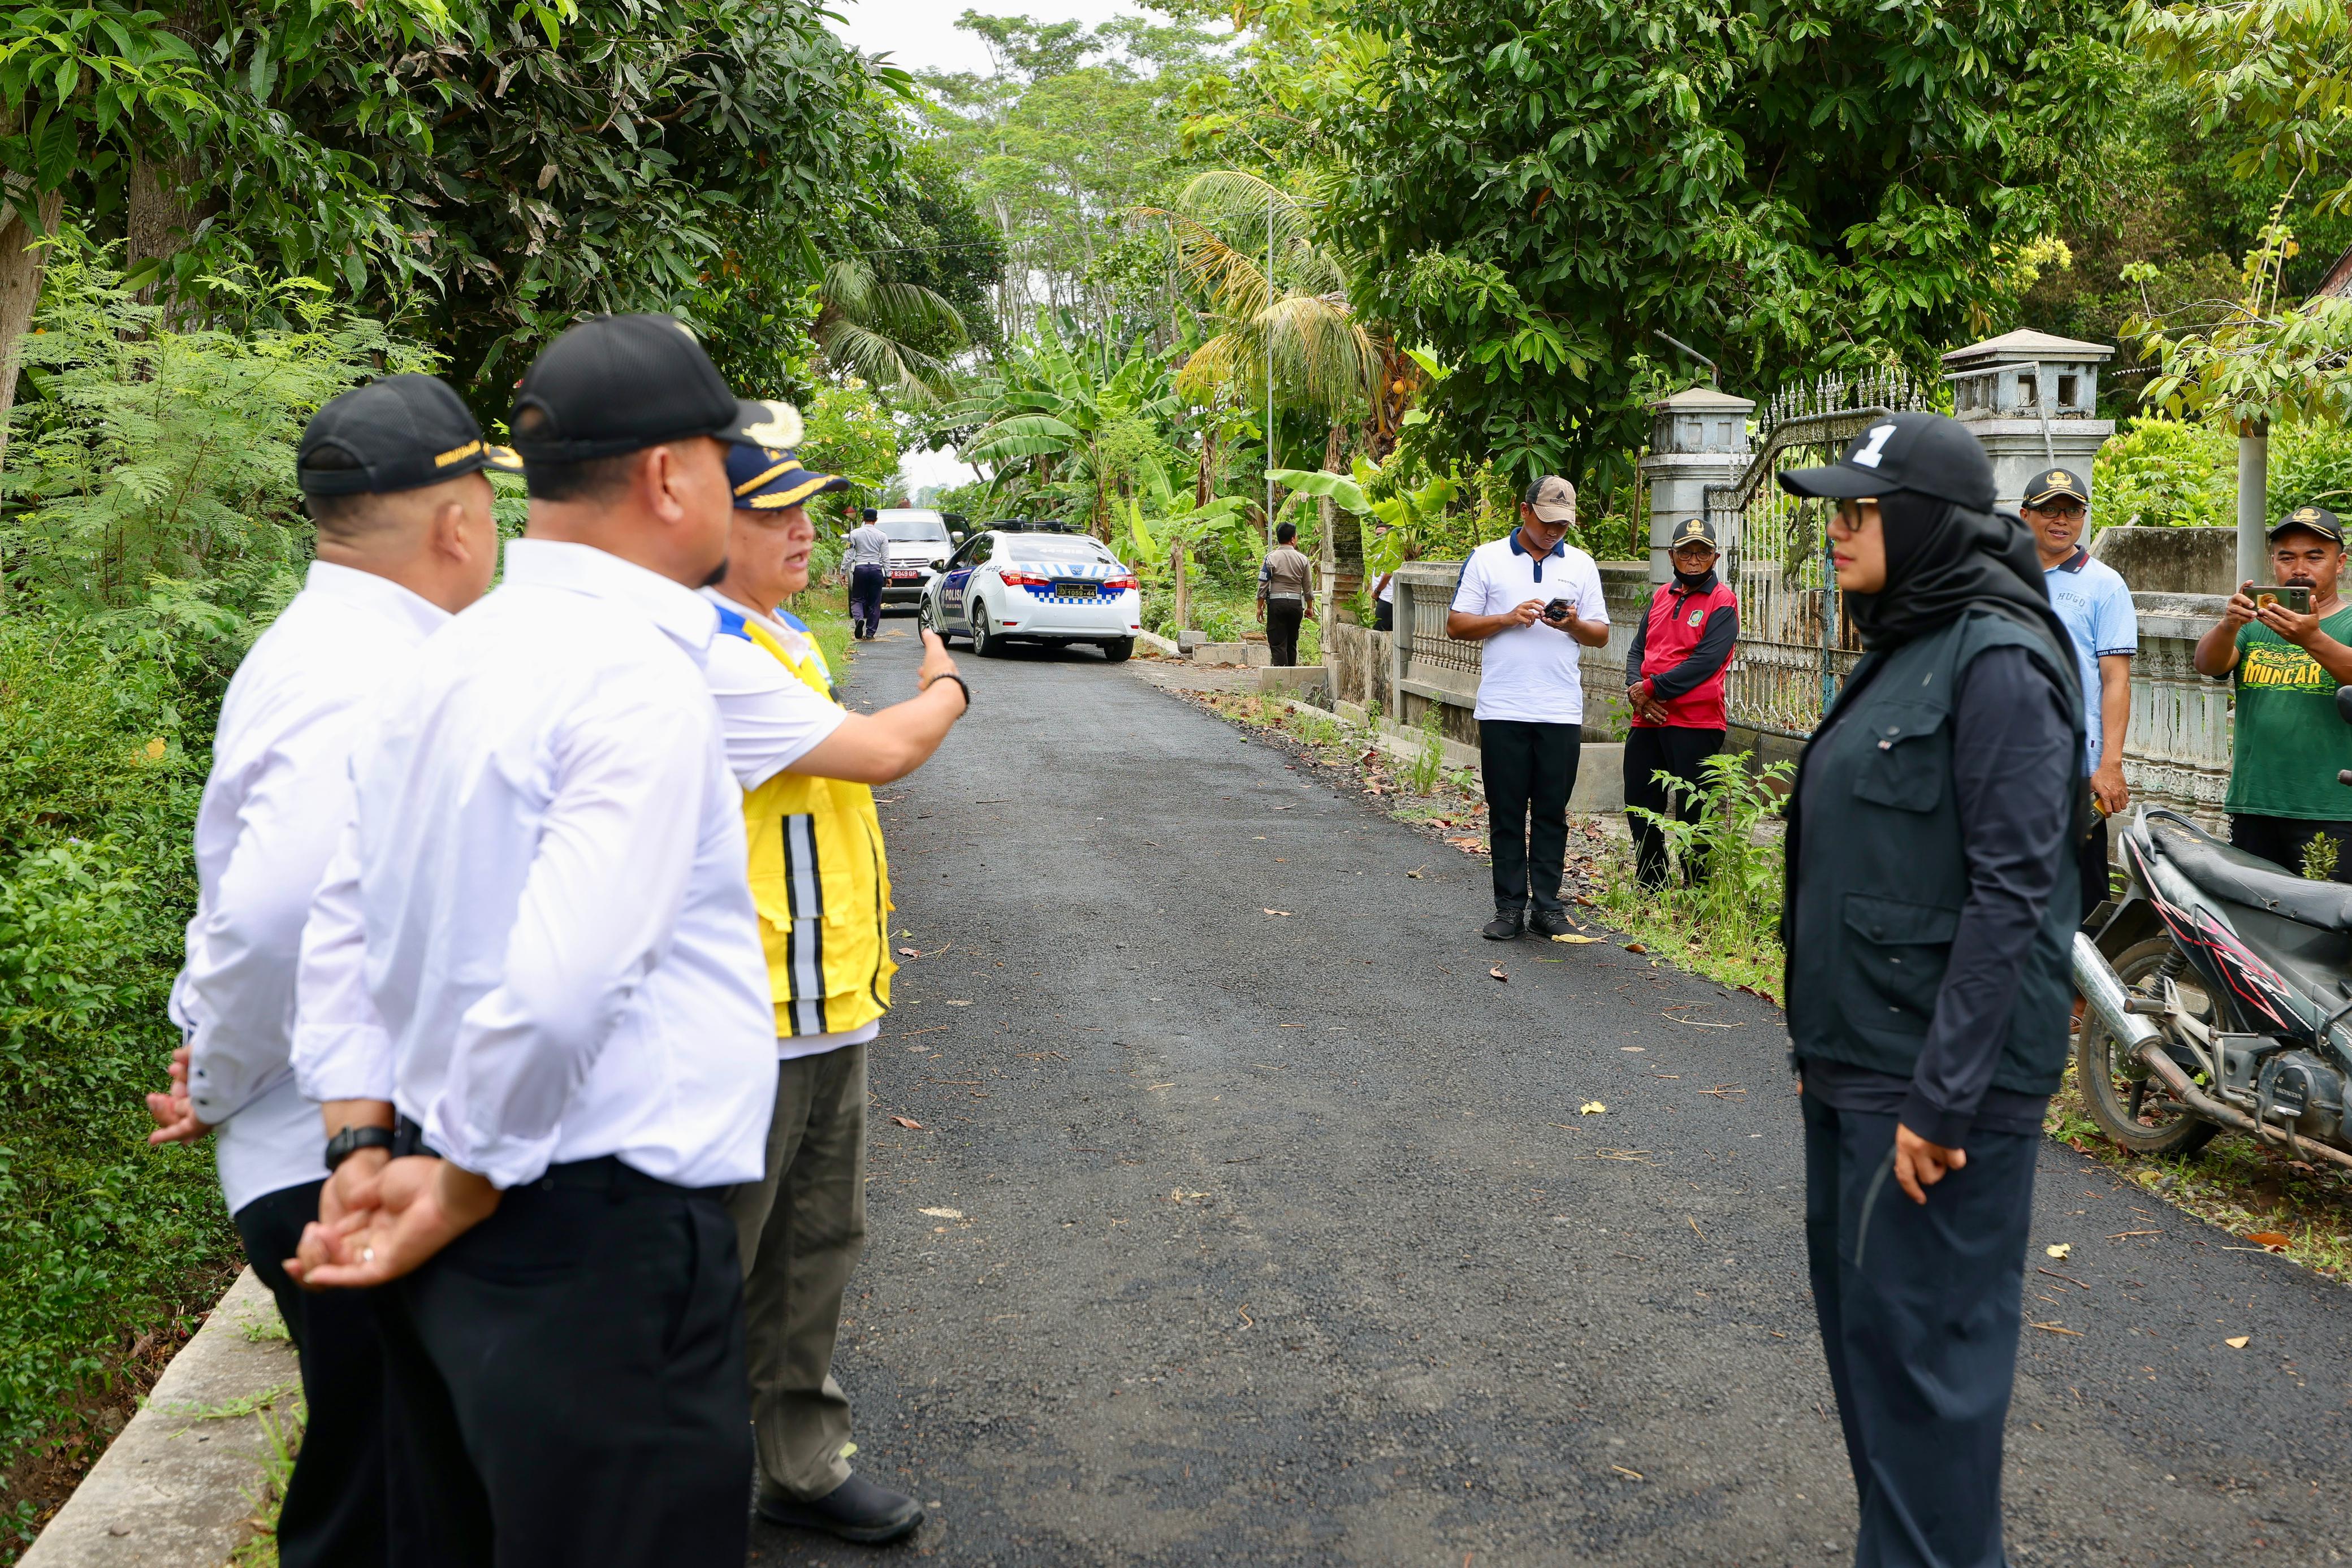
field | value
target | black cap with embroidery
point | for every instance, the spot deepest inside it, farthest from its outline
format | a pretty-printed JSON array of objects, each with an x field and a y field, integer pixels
[
  {"x": 400, "y": 432},
  {"x": 2052, "y": 484},
  {"x": 2310, "y": 520},
  {"x": 1691, "y": 531},
  {"x": 615, "y": 385},
  {"x": 1926, "y": 453}
]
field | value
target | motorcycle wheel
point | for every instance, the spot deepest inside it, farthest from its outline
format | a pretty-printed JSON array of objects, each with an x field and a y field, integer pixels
[{"x": 2131, "y": 1105}]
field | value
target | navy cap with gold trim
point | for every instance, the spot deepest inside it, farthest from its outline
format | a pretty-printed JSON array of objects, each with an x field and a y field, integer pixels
[
  {"x": 398, "y": 432},
  {"x": 2052, "y": 484},
  {"x": 1691, "y": 531},
  {"x": 769, "y": 478},
  {"x": 2310, "y": 520}
]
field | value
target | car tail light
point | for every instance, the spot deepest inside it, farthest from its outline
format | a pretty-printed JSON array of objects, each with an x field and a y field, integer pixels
[
  {"x": 1016, "y": 577},
  {"x": 1123, "y": 584}
]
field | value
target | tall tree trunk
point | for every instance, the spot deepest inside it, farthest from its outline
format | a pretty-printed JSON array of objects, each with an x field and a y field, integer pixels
[
  {"x": 21, "y": 260},
  {"x": 163, "y": 210},
  {"x": 1343, "y": 534},
  {"x": 1184, "y": 585}
]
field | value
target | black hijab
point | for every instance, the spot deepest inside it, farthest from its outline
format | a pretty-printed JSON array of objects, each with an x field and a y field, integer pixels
[{"x": 1943, "y": 560}]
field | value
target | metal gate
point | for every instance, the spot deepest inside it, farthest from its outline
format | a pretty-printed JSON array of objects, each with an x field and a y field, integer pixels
[{"x": 1796, "y": 645}]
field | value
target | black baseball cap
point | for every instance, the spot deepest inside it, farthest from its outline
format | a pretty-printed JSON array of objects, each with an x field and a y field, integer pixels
[
  {"x": 768, "y": 479},
  {"x": 2052, "y": 484},
  {"x": 616, "y": 384},
  {"x": 1691, "y": 531},
  {"x": 2310, "y": 520},
  {"x": 1928, "y": 453},
  {"x": 401, "y": 432}
]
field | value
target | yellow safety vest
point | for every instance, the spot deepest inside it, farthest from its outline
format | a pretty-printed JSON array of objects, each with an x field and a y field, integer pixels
[{"x": 818, "y": 876}]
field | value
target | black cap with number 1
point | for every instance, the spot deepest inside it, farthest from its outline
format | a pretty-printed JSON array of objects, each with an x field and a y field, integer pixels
[{"x": 1926, "y": 453}]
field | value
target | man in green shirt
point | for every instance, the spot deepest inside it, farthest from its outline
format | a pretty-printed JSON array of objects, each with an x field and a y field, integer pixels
[{"x": 2289, "y": 742}]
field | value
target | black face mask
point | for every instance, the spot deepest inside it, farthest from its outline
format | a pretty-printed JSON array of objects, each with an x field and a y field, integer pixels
[{"x": 1694, "y": 582}]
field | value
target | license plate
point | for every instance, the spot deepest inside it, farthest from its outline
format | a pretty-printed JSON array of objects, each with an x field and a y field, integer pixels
[
  {"x": 905, "y": 576},
  {"x": 1074, "y": 590}
]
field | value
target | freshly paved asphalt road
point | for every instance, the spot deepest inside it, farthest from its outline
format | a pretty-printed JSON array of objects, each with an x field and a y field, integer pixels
[{"x": 1281, "y": 1241}]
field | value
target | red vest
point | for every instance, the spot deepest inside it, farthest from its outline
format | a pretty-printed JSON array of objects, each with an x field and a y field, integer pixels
[{"x": 1672, "y": 630}]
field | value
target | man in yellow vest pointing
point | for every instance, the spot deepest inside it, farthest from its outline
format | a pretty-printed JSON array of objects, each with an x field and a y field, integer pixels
[{"x": 822, "y": 890}]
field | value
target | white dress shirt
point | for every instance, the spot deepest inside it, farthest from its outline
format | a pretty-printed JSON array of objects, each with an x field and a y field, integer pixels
[
  {"x": 1529, "y": 673},
  {"x": 540, "y": 937},
  {"x": 868, "y": 546},
  {"x": 276, "y": 802}
]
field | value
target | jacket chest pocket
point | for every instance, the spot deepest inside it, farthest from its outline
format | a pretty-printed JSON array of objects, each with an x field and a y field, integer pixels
[
  {"x": 1904, "y": 756},
  {"x": 1896, "y": 955}
]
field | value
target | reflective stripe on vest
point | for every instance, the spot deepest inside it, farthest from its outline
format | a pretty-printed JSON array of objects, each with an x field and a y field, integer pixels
[{"x": 819, "y": 879}]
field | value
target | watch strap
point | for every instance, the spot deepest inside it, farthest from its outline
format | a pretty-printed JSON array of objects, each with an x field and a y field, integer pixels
[{"x": 352, "y": 1140}]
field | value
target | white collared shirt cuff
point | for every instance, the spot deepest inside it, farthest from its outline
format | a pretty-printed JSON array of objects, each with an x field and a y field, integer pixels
[
  {"x": 505, "y": 1162},
  {"x": 342, "y": 1061}
]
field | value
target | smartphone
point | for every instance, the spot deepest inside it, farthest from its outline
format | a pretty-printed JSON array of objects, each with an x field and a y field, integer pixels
[
  {"x": 1561, "y": 609},
  {"x": 2294, "y": 596}
]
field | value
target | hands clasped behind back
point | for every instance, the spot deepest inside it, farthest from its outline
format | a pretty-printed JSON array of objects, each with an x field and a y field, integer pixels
[{"x": 392, "y": 1219}]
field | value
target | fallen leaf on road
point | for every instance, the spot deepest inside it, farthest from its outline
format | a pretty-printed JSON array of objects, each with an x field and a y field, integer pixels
[
  {"x": 959, "y": 1003},
  {"x": 1566, "y": 936},
  {"x": 1586, "y": 901},
  {"x": 1416, "y": 874},
  {"x": 2060, "y": 1251},
  {"x": 2119, "y": 1234},
  {"x": 909, "y": 1122},
  {"x": 2268, "y": 1239},
  {"x": 942, "y": 1213},
  {"x": 1634, "y": 1047},
  {"x": 1592, "y": 1108},
  {"x": 2055, "y": 1328},
  {"x": 1497, "y": 973},
  {"x": 1635, "y": 947},
  {"x": 2238, "y": 1343},
  {"x": 1694, "y": 1224},
  {"x": 1277, "y": 912},
  {"x": 1623, "y": 1471},
  {"x": 909, "y": 953}
]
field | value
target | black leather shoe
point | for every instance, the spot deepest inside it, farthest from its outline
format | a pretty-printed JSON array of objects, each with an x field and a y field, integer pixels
[
  {"x": 1504, "y": 927},
  {"x": 1549, "y": 923},
  {"x": 856, "y": 1509}
]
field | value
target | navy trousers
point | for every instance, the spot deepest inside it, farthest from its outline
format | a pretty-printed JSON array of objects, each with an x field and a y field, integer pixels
[
  {"x": 866, "y": 598},
  {"x": 334, "y": 1512},
  {"x": 1919, "y": 1309}
]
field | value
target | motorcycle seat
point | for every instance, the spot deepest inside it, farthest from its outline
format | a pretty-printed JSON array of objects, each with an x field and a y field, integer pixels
[{"x": 2231, "y": 873}]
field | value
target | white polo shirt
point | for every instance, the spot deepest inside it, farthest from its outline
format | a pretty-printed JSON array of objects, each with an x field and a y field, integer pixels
[{"x": 1529, "y": 673}]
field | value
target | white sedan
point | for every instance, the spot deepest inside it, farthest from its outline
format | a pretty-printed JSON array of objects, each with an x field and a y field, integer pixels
[{"x": 1007, "y": 584}]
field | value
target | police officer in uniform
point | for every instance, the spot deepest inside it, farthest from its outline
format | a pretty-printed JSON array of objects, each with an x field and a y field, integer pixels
[{"x": 1929, "y": 904}]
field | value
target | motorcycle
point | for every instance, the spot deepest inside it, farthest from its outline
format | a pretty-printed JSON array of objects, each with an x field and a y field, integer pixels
[{"x": 2218, "y": 994}]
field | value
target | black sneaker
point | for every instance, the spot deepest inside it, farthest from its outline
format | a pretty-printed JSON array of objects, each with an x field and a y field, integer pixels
[
  {"x": 1549, "y": 922},
  {"x": 1505, "y": 928},
  {"x": 858, "y": 1509}
]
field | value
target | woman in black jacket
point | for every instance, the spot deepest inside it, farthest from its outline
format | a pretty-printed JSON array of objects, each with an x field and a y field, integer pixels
[{"x": 1927, "y": 921}]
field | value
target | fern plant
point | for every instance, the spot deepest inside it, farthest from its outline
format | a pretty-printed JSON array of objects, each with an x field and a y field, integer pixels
[{"x": 151, "y": 475}]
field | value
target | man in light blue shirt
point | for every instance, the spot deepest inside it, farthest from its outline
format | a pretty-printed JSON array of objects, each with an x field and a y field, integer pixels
[{"x": 2094, "y": 603}]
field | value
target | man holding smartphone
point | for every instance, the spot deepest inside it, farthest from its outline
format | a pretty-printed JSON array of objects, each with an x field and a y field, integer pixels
[
  {"x": 2285, "y": 661},
  {"x": 1535, "y": 602}
]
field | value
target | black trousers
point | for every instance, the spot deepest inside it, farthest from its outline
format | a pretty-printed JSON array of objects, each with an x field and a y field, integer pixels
[
  {"x": 865, "y": 597},
  {"x": 1649, "y": 750},
  {"x": 2091, "y": 863},
  {"x": 568, "y": 1386},
  {"x": 1919, "y": 1309},
  {"x": 1383, "y": 615},
  {"x": 1530, "y": 771},
  {"x": 334, "y": 1510},
  {"x": 1283, "y": 617},
  {"x": 2282, "y": 841}
]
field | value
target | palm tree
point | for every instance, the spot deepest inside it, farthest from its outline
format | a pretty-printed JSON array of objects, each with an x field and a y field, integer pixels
[
  {"x": 866, "y": 325},
  {"x": 1069, "y": 416}
]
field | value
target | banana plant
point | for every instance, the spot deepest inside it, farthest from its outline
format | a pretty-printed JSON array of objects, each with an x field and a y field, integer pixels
[
  {"x": 1410, "y": 515},
  {"x": 1177, "y": 531}
]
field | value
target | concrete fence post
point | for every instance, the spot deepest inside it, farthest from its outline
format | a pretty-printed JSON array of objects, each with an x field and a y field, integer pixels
[{"x": 1700, "y": 438}]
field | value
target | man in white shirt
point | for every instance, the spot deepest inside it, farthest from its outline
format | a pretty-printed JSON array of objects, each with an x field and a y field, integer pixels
[
  {"x": 545, "y": 886},
  {"x": 1534, "y": 602},
  {"x": 869, "y": 563},
  {"x": 821, "y": 882},
  {"x": 393, "y": 475}
]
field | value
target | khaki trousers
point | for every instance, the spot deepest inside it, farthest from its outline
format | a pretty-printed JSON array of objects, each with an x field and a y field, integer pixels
[{"x": 800, "y": 1228}]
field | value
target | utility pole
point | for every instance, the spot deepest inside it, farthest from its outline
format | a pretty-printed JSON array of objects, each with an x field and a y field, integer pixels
[
  {"x": 2254, "y": 499},
  {"x": 1268, "y": 327}
]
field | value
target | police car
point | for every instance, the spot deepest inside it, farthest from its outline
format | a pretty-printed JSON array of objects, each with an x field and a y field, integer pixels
[{"x": 1035, "y": 583}]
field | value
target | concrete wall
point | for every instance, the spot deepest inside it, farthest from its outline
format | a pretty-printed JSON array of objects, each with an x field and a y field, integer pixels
[
  {"x": 2171, "y": 561},
  {"x": 1357, "y": 660}
]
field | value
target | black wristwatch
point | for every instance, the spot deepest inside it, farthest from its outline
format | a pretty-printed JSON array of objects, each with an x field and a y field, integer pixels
[{"x": 352, "y": 1140}]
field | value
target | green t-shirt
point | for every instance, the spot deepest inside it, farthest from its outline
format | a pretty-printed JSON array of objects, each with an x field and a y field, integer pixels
[{"x": 2289, "y": 742}]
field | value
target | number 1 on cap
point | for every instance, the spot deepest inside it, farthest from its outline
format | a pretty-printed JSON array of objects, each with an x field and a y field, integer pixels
[{"x": 1879, "y": 436}]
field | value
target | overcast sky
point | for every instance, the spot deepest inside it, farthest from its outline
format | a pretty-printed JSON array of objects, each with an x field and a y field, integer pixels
[{"x": 921, "y": 35}]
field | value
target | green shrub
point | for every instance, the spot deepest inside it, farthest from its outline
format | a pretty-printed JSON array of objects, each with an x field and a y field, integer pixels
[{"x": 2163, "y": 474}]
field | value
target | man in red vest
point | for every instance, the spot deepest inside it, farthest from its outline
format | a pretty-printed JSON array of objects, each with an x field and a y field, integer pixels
[{"x": 1673, "y": 684}]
